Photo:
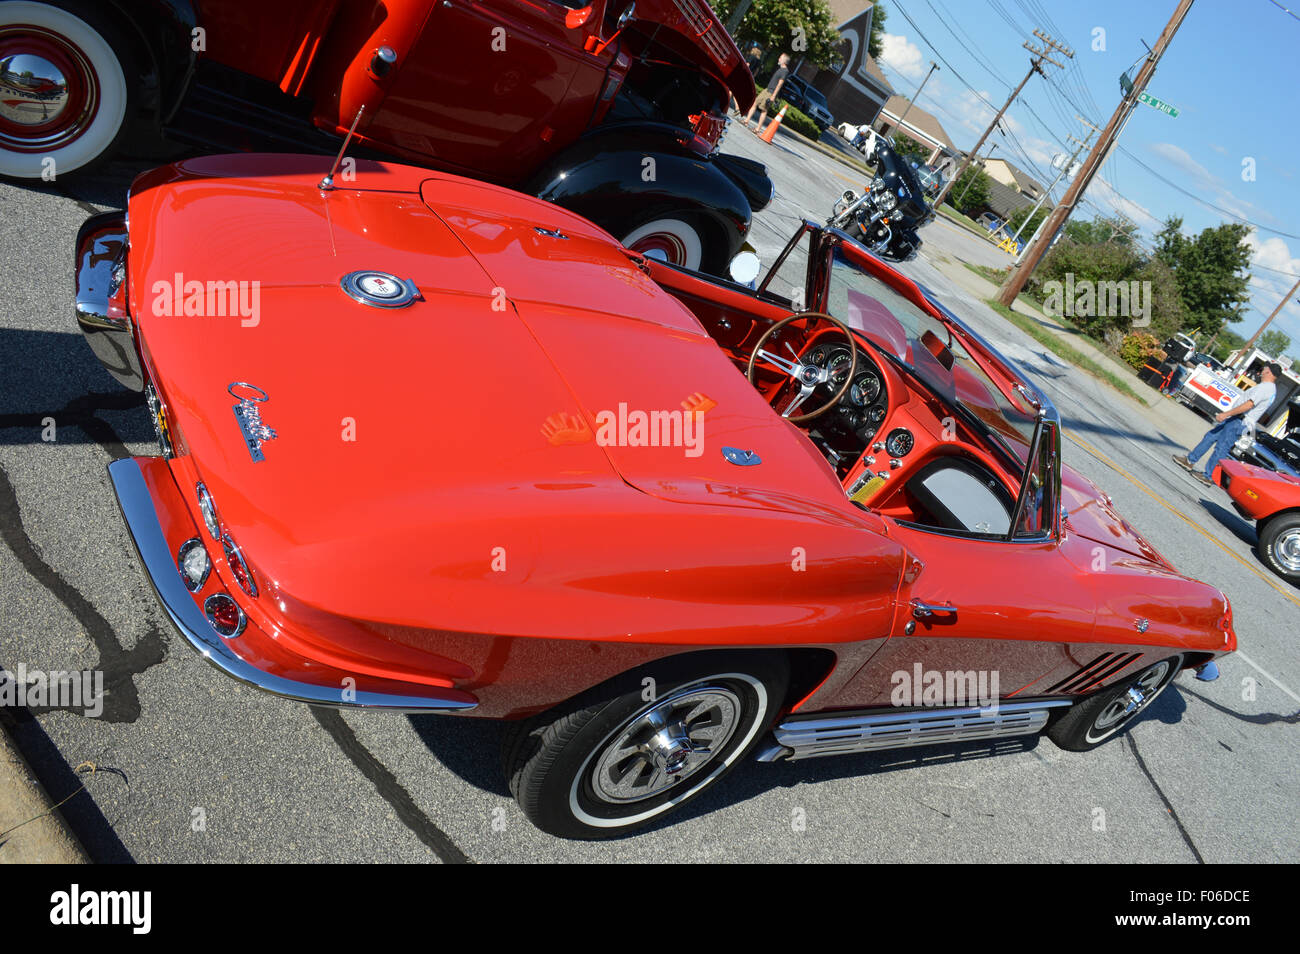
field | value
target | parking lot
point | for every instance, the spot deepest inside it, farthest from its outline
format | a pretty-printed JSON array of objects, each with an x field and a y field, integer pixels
[{"x": 191, "y": 766}]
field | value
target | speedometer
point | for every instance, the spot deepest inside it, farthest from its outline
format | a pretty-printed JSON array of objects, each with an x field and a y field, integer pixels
[
  {"x": 866, "y": 388},
  {"x": 839, "y": 366}
]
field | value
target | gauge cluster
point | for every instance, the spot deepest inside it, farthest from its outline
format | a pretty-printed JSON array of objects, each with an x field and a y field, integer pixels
[{"x": 845, "y": 430}]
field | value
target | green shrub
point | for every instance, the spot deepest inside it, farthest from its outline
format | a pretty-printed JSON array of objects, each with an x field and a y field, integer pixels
[
  {"x": 794, "y": 118},
  {"x": 800, "y": 123},
  {"x": 1138, "y": 348}
]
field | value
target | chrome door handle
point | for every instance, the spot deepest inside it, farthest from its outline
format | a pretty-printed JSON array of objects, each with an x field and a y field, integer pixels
[{"x": 925, "y": 610}]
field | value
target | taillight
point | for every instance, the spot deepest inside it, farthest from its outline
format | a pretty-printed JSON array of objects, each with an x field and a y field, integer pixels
[
  {"x": 225, "y": 615},
  {"x": 238, "y": 565}
]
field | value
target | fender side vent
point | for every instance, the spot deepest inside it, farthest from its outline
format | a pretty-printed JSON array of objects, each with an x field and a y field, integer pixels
[{"x": 1096, "y": 672}]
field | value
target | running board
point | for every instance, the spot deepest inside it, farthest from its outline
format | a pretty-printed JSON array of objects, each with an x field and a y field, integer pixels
[{"x": 808, "y": 737}]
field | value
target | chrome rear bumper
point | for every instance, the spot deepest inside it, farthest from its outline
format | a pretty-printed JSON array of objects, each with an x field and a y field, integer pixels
[{"x": 155, "y": 554}]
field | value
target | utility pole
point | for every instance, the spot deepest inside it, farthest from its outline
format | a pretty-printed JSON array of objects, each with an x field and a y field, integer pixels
[
  {"x": 933, "y": 66},
  {"x": 1020, "y": 274},
  {"x": 1255, "y": 337},
  {"x": 1059, "y": 176},
  {"x": 1035, "y": 66},
  {"x": 987, "y": 157}
]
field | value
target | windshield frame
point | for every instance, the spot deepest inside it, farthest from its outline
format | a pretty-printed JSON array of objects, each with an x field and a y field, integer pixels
[{"x": 1046, "y": 437}]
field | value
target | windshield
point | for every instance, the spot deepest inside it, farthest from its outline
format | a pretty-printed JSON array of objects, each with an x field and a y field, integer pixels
[{"x": 915, "y": 339}]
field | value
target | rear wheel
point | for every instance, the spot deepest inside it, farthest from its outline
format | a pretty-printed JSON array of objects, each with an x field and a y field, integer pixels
[
  {"x": 616, "y": 760},
  {"x": 66, "y": 88},
  {"x": 1279, "y": 546},
  {"x": 1096, "y": 719}
]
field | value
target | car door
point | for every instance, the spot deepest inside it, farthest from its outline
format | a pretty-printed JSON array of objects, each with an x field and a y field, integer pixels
[
  {"x": 993, "y": 611},
  {"x": 492, "y": 87}
]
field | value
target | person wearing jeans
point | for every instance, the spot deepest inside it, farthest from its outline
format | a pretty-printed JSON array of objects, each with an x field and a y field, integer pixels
[{"x": 1247, "y": 411}]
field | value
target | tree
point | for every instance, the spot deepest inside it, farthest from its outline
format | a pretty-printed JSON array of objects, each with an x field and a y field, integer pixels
[
  {"x": 909, "y": 148},
  {"x": 1212, "y": 271},
  {"x": 802, "y": 28},
  {"x": 1019, "y": 216},
  {"x": 876, "y": 44},
  {"x": 1273, "y": 342},
  {"x": 971, "y": 189},
  {"x": 1100, "y": 230}
]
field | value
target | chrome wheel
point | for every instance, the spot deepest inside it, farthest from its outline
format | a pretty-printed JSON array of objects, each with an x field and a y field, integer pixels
[
  {"x": 1124, "y": 708},
  {"x": 666, "y": 744},
  {"x": 1286, "y": 549},
  {"x": 64, "y": 90}
]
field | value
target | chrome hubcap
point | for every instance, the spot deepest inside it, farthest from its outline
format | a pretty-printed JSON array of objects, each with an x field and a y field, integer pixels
[
  {"x": 49, "y": 93},
  {"x": 33, "y": 91},
  {"x": 1137, "y": 698},
  {"x": 1287, "y": 550},
  {"x": 666, "y": 744}
]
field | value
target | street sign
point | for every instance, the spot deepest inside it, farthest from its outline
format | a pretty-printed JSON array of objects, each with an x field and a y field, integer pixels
[{"x": 1158, "y": 104}]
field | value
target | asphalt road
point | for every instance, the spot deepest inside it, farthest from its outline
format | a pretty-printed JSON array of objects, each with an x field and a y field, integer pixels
[{"x": 192, "y": 767}]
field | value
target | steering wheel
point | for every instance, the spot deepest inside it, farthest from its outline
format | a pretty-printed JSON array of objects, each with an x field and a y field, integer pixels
[{"x": 808, "y": 376}]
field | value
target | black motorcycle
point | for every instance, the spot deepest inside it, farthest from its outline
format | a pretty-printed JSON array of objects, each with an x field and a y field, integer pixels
[{"x": 887, "y": 215}]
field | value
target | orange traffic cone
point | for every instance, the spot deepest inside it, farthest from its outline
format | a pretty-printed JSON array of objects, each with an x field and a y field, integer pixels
[{"x": 769, "y": 133}]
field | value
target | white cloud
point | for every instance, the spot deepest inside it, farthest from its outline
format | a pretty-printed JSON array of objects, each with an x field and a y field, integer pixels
[
  {"x": 903, "y": 56},
  {"x": 1180, "y": 159}
]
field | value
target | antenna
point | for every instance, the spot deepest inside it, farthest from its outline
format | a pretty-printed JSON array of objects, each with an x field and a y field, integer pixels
[{"x": 327, "y": 184}]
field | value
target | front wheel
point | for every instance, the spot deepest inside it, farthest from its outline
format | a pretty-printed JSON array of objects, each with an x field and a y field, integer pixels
[
  {"x": 66, "y": 89},
  {"x": 1098, "y": 718},
  {"x": 617, "y": 760},
  {"x": 1279, "y": 546},
  {"x": 669, "y": 239}
]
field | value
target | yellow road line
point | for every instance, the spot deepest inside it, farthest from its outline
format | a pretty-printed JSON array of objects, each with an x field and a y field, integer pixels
[{"x": 1253, "y": 568}]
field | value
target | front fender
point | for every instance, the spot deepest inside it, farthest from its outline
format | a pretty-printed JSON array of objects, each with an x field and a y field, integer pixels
[
  {"x": 165, "y": 30},
  {"x": 622, "y": 177}
]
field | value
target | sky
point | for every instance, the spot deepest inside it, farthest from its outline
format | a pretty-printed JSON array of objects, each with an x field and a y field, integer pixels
[{"x": 1232, "y": 71}]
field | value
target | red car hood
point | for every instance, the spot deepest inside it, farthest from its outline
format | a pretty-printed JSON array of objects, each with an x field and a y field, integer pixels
[
  {"x": 470, "y": 400},
  {"x": 1090, "y": 513}
]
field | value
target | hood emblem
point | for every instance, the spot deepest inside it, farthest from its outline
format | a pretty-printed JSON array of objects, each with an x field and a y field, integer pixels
[
  {"x": 1141, "y": 625},
  {"x": 379, "y": 289},
  {"x": 249, "y": 416},
  {"x": 741, "y": 458}
]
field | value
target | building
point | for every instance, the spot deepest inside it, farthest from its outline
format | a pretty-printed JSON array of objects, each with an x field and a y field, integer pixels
[
  {"x": 1011, "y": 189},
  {"x": 1014, "y": 178},
  {"x": 855, "y": 88}
]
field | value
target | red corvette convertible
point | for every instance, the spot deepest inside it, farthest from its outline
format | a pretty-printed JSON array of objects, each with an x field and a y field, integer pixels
[
  {"x": 1271, "y": 498},
  {"x": 428, "y": 444}
]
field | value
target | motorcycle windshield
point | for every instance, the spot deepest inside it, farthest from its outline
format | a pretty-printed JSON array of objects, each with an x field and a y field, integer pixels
[{"x": 890, "y": 162}]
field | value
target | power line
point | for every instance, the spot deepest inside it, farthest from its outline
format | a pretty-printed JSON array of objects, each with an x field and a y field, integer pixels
[
  {"x": 1193, "y": 196},
  {"x": 1284, "y": 9}
]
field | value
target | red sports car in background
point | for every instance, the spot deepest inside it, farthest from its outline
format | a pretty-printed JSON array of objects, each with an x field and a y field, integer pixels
[
  {"x": 1271, "y": 498},
  {"x": 428, "y": 444}
]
